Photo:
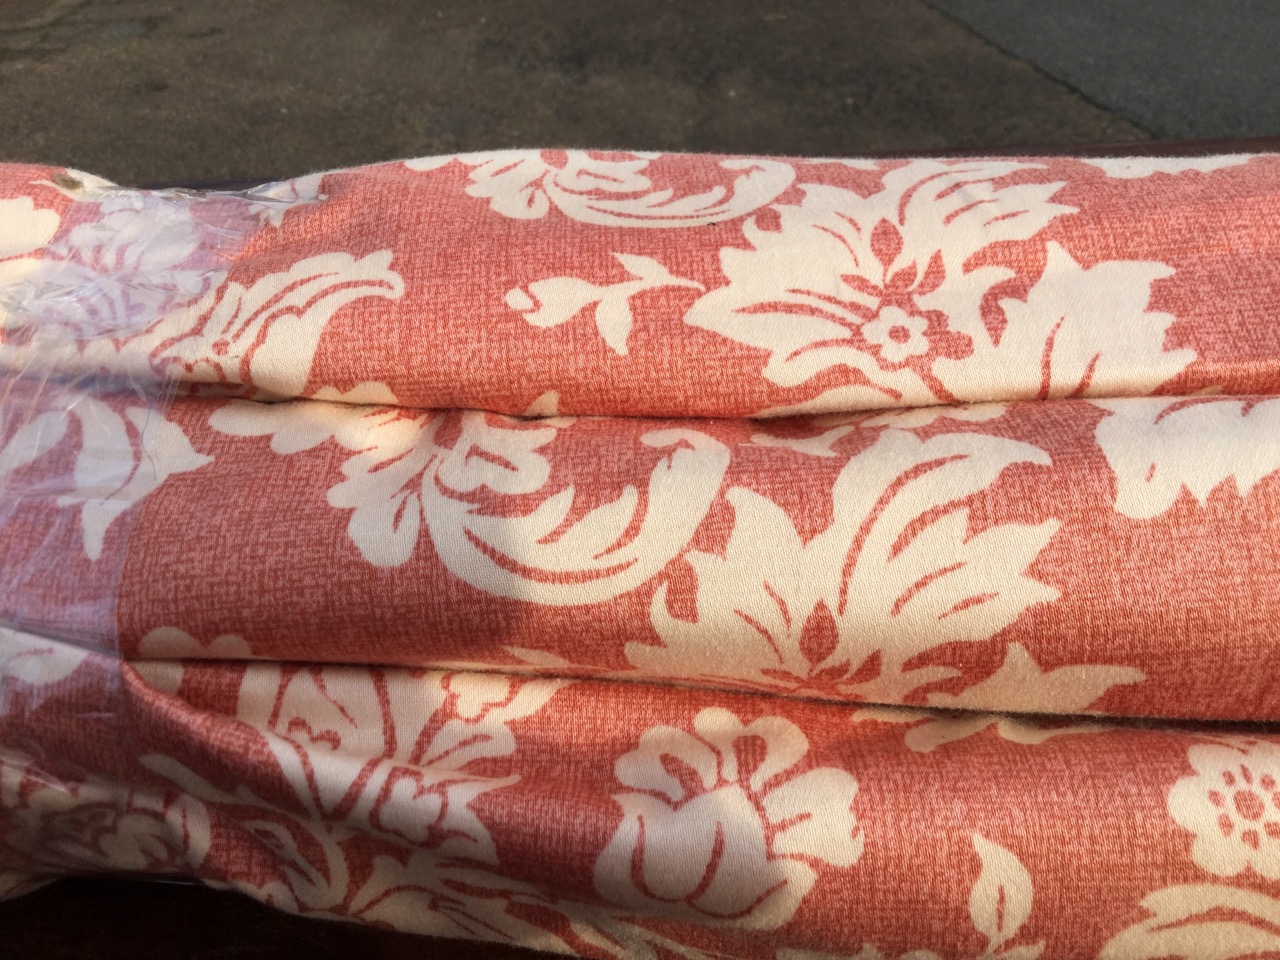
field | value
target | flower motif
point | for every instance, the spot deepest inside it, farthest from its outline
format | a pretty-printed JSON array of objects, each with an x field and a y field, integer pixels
[
  {"x": 847, "y": 612},
  {"x": 893, "y": 298},
  {"x": 897, "y": 334},
  {"x": 93, "y": 823},
  {"x": 1232, "y": 805},
  {"x": 396, "y": 755},
  {"x": 612, "y": 189},
  {"x": 724, "y": 825},
  {"x": 422, "y": 734}
]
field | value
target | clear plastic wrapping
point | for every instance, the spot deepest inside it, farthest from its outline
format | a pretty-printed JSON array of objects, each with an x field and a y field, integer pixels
[{"x": 84, "y": 311}]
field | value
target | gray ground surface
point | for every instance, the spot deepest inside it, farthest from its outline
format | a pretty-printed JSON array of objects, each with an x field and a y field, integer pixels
[
  {"x": 147, "y": 91},
  {"x": 1178, "y": 68}
]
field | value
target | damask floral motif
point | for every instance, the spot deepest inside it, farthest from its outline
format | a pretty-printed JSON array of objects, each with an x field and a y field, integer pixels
[
  {"x": 394, "y": 754},
  {"x": 91, "y": 822},
  {"x": 895, "y": 574},
  {"x": 126, "y": 451},
  {"x": 140, "y": 256},
  {"x": 1201, "y": 922},
  {"x": 610, "y": 189},
  {"x": 1156, "y": 448},
  {"x": 139, "y": 292},
  {"x": 446, "y": 473},
  {"x": 555, "y": 300},
  {"x": 266, "y": 335},
  {"x": 24, "y": 230},
  {"x": 1135, "y": 168},
  {"x": 905, "y": 554},
  {"x": 725, "y": 824},
  {"x": 1232, "y": 805},
  {"x": 884, "y": 286}
]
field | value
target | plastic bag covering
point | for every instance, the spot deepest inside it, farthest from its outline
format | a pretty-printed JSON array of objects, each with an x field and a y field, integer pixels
[
  {"x": 82, "y": 443},
  {"x": 828, "y": 459}
]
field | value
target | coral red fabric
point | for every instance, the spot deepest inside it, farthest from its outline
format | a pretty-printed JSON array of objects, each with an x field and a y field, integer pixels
[{"x": 637, "y": 555}]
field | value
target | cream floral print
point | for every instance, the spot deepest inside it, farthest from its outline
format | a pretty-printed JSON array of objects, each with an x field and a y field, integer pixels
[
  {"x": 999, "y": 906},
  {"x": 608, "y": 190},
  {"x": 1156, "y": 447},
  {"x": 1232, "y": 806},
  {"x": 724, "y": 823},
  {"x": 1136, "y": 168},
  {"x": 24, "y": 229},
  {"x": 411, "y": 473},
  {"x": 89, "y": 822},
  {"x": 1201, "y": 921},
  {"x": 402, "y": 755},
  {"x": 140, "y": 290},
  {"x": 895, "y": 574},
  {"x": 883, "y": 285},
  {"x": 551, "y": 302},
  {"x": 125, "y": 451}
]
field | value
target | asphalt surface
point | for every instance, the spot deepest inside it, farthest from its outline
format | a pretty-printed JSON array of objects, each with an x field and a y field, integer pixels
[
  {"x": 143, "y": 91},
  {"x": 1181, "y": 69}
]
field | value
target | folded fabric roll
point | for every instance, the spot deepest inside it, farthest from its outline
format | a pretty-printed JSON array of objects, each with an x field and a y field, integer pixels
[
  {"x": 668, "y": 285},
  {"x": 1113, "y": 556},
  {"x": 609, "y": 821},
  {"x": 580, "y": 550}
]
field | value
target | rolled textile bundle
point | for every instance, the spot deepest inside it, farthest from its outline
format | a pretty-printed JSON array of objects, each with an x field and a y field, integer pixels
[
  {"x": 621, "y": 820},
  {"x": 1113, "y": 556},
  {"x": 667, "y": 285},
  {"x": 336, "y": 512}
]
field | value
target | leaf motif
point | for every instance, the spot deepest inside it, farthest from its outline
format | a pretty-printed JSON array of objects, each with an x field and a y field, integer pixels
[
  {"x": 908, "y": 588},
  {"x": 1000, "y": 902},
  {"x": 123, "y": 458},
  {"x": 556, "y": 300},
  {"x": 1156, "y": 448},
  {"x": 1021, "y": 686},
  {"x": 612, "y": 191},
  {"x": 613, "y": 548},
  {"x": 1068, "y": 338},
  {"x": 1200, "y": 922},
  {"x": 265, "y": 335},
  {"x": 896, "y": 571},
  {"x": 32, "y": 440}
]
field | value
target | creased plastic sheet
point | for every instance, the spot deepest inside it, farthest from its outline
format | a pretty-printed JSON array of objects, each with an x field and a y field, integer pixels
[{"x": 637, "y": 555}]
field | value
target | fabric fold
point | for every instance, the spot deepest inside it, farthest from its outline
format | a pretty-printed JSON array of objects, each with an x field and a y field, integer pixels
[
  {"x": 1066, "y": 556},
  {"x": 696, "y": 823},
  {"x": 646, "y": 556},
  {"x": 619, "y": 284}
]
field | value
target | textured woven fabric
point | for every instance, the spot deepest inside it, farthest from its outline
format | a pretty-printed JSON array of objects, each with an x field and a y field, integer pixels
[{"x": 654, "y": 555}]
